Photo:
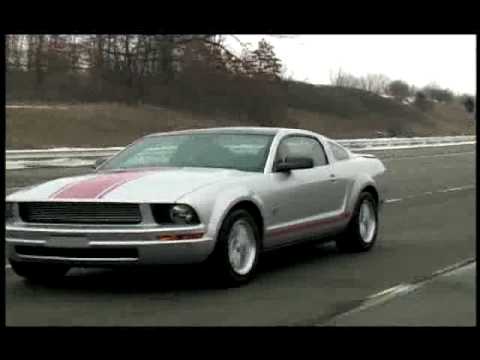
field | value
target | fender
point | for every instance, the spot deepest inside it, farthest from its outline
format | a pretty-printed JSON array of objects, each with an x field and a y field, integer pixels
[
  {"x": 360, "y": 183},
  {"x": 226, "y": 201}
]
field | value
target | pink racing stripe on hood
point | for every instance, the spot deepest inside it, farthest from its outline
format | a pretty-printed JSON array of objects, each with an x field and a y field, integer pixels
[{"x": 96, "y": 187}]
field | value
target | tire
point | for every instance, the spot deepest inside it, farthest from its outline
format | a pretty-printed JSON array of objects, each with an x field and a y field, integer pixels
[
  {"x": 39, "y": 272},
  {"x": 223, "y": 260},
  {"x": 353, "y": 239}
]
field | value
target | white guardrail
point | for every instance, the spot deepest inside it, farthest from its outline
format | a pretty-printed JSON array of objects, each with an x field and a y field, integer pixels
[{"x": 352, "y": 144}]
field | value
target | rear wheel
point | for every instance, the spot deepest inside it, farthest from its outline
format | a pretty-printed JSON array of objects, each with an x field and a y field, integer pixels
[
  {"x": 361, "y": 232},
  {"x": 235, "y": 258},
  {"x": 39, "y": 272}
]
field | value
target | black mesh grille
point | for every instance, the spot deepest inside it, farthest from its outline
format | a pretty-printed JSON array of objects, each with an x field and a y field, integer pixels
[{"x": 80, "y": 213}]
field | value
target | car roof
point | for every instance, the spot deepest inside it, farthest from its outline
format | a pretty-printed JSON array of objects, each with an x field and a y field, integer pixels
[{"x": 239, "y": 130}]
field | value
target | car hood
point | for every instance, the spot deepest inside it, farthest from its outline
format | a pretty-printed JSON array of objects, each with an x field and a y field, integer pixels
[{"x": 139, "y": 186}]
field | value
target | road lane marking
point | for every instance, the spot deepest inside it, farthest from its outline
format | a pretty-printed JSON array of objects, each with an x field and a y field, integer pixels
[
  {"x": 392, "y": 200},
  {"x": 459, "y": 188},
  {"x": 58, "y": 107},
  {"x": 384, "y": 296},
  {"x": 400, "y": 289},
  {"x": 392, "y": 290},
  {"x": 428, "y": 156},
  {"x": 451, "y": 189}
]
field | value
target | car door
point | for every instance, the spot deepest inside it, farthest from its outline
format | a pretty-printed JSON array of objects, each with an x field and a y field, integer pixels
[
  {"x": 341, "y": 174},
  {"x": 302, "y": 197}
]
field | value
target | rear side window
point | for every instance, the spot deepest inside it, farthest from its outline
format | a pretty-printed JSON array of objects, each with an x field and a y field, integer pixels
[
  {"x": 339, "y": 153},
  {"x": 302, "y": 146}
]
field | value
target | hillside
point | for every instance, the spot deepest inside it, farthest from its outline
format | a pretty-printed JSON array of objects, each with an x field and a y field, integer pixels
[
  {"x": 332, "y": 111},
  {"x": 349, "y": 113}
]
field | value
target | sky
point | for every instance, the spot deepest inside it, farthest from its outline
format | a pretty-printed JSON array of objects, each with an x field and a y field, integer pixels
[{"x": 446, "y": 60}]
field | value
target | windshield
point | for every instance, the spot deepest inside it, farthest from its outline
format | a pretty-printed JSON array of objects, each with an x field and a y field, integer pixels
[{"x": 246, "y": 152}]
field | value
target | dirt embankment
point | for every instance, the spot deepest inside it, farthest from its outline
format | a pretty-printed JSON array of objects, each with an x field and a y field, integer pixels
[{"x": 334, "y": 112}]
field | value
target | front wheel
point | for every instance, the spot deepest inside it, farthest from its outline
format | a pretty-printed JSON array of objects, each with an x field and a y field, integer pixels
[
  {"x": 361, "y": 232},
  {"x": 39, "y": 272},
  {"x": 235, "y": 258}
]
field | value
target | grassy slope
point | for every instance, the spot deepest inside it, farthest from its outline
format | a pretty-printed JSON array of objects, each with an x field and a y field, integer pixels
[
  {"x": 335, "y": 112},
  {"x": 344, "y": 113}
]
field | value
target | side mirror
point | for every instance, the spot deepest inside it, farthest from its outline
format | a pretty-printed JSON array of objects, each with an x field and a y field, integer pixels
[
  {"x": 98, "y": 162},
  {"x": 294, "y": 164}
]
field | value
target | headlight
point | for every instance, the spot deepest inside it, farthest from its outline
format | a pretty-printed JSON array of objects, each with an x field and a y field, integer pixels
[
  {"x": 183, "y": 214},
  {"x": 8, "y": 211}
]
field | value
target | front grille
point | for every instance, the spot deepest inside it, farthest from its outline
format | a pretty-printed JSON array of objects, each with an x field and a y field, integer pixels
[
  {"x": 79, "y": 213},
  {"x": 77, "y": 253}
]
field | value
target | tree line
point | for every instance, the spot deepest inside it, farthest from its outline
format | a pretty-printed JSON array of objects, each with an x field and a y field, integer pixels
[
  {"x": 400, "y": 90},
  {"x": 194, "y": 72}
]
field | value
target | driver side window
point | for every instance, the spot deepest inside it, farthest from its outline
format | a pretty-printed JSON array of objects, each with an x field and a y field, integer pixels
[{"x": 301, "y": 146}]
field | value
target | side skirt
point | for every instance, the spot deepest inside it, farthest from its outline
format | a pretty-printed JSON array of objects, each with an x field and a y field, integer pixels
[{"x": 317, "y": 239}]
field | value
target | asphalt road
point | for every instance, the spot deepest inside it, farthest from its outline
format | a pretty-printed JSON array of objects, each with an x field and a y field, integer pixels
[
  {"x": 429, "y": 224},
  {"x": 443, "y": 301}
]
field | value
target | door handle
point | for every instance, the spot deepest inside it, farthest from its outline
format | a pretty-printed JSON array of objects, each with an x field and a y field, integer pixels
[{"x": 333, "y": 178}]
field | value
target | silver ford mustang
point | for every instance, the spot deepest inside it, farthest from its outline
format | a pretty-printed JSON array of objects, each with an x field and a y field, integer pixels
[{"x": 220, "y": 196}]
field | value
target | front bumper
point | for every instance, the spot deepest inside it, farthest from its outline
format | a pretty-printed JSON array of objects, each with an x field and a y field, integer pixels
[{"x": 78, "y": 246}]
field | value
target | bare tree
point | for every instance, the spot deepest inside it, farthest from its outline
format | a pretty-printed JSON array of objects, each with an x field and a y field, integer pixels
[
  {"x": 267, "y": 64},
  {"x": 375, "y": 83},
  {"x": 39, "y": 61},
  {"x": 343, "y": 79},
  {"x": 8, "y": 47},
  {"x": 166, "y": 69},
  {"x": 14, "y": 51}
]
